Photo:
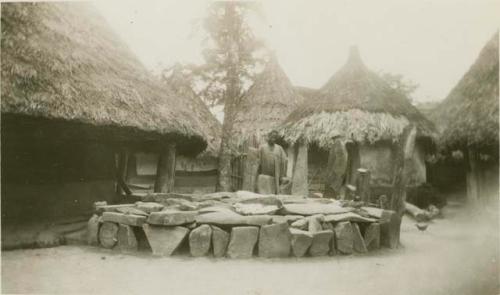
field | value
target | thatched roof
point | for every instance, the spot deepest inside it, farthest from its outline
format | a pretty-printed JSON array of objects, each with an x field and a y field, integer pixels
[
  {"x": 357, "y": 105},
  {"x": 469, "y": 115},
  {"x": 212, "y": 127},
  {"x": 265, "y": 105},
  {"x": 62, "y": 61}
]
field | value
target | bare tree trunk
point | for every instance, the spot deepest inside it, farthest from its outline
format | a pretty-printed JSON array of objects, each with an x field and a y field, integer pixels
[
  {"x": 231, "y": 99},
  {"x": 165, "y": 173},
  {"x": 403, "y": 154}
]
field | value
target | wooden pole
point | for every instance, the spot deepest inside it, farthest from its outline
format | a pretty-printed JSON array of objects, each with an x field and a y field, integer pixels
[{"x": 165, "y": 173}]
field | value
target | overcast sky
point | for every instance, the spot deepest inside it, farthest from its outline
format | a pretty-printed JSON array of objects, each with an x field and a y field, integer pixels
[{"x": 432, "y": 43}]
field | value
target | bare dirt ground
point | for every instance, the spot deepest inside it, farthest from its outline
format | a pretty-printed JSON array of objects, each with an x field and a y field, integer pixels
[{"x": 456, "y": 255}]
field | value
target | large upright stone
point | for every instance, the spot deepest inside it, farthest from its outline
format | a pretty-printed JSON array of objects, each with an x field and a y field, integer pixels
[
  {"x": 242, "y": 241},
  {"x": 93, "y": 230},
  {"x": 164, "y": 240},
  {"x": 344, "y": 237},
  {"x": 301, "y": 241},
  {"x": 108, "y": 234},
  {"x": 220, "y": 240},
  {"x": 274, "y": 240},
  {"x": 389, "y": 229},
  {"x": 321, "y": 243},
  {"x": 372, "y": 236},
  {"x": 127, "y": 241},
  {"x": 359, "y": 242},
  {"x": 199, "y": 240},
  {"x": 315, "y": 223},
  {"x": 250, "y": 168},
  {"x": 172, "y": 217}
]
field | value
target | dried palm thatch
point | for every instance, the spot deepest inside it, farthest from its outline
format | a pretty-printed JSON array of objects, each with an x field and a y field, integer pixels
[
  {"x": 357, "y": 105},
  {"x": 212, "y": 127},
  {"x": 61, "y": 61},
  {"x": 265, "y": 105},
  {"x": 468, "y": 117}
]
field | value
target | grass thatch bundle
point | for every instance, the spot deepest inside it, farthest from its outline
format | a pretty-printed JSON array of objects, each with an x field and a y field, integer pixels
[
  {"x": 468, "y": 117},
  {"x": 62, "y": 61},
  {"x": 355, "y": 104},
  {"x": 265, "y": 105}
]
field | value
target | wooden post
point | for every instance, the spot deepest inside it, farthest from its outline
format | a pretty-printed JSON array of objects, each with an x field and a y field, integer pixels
[
  {"x": 165, "y": 173},
  {"x": 300, "y": 172},
  {"x": 403, "y": 154},
  {"x": 363, "y": 184},
  {"x": 472, "y": 177}
]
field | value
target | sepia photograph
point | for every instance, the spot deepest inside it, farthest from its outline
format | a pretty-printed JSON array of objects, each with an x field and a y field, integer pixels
[{"x": 250, "y": 147}]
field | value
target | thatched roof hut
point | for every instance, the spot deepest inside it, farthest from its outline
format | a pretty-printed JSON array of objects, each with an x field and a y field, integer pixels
[
  {"x": 212, "y": 127},
  {"x": 468, "y": 117},
  {"x": 265, "y": 105},
  {"x": 62, "y": 62},
  {"x": 355, "y": 104}
]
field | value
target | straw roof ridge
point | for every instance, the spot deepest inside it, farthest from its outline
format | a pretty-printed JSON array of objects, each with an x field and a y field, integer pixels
[
  {"x": 266, "y": 103},
  {"x": 352, "y": 91},
  {"x": 468, "y": 116},
  {"x": 62, "y": 61}
]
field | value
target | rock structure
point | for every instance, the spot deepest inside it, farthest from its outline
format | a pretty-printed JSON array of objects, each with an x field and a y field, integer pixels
[{"x": 239, "y": 225}]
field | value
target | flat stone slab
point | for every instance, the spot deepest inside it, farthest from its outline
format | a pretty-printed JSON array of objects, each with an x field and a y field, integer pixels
[
  {"x": 101, "y": 207},
  {"x": 242, "y": 241},
  {"x": 127, "y": 219},
  {"x": 359, "y": 242},
  {"x": 231, "y": 218},
  {"x": 93, "y": 230},
  {"x": 199, "y": 240},
  {"x": 274, "y": 240},
  {"x": 255, "y": 209},
  {"x": 131, "y": 210},
  {"x": 149, "y": 207},
  {"x": 301, "y": 241},
  {"x": 286, "y": 218},
  {"x": 372, "y": 236},
  {"x": 108, "y": 234},
  {"x": 321, "y": 243},
  {"x": 314, "y": 208},
  {"x": 344, "y": 237},
  {"x": 220, "y": 240},
  {"x": 127, "y": 241},
  {"x": 164, "y": 240},
  {"x": 172, "y": 217},
  {"x": 348, "y": 216},
  {"x": 373, "y": 212}
]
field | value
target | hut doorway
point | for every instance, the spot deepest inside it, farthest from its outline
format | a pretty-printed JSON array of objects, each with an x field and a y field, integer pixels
[{"x": 353, "y": 162}]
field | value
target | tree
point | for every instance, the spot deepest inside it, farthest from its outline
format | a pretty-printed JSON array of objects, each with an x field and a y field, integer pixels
[
  {"x": 398, "y": 82},
  {"x": 231, "y": 56}
]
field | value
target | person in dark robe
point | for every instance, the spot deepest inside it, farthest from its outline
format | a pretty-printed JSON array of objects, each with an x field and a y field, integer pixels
[{"x": 272, "y": 166}]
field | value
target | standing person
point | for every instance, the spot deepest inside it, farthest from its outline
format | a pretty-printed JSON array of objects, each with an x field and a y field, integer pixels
[{"x": 272, "y": 166}]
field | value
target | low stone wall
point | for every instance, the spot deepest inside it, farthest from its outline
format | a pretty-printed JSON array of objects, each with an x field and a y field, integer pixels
[{"x": 241, "y": 225}]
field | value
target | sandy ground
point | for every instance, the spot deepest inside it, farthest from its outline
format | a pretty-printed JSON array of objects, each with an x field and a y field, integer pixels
[{"x": 456, "y": 255}]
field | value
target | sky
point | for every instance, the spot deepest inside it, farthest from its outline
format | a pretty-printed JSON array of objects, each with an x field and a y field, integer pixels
[{"x": 432, "y": 43}]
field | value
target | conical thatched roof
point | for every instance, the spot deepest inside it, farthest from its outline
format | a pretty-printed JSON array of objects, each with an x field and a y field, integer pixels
[
  {"x": 265, "y": 105},
  {"x": 355, "y": 104},
  {"x": 469, "y": 115},
  {"x": 213, "y": 128},
  {"x": 61, "y": 61}
]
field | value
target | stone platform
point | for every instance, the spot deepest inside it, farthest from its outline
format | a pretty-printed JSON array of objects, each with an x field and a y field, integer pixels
[{"x": 241, "y": 225}]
